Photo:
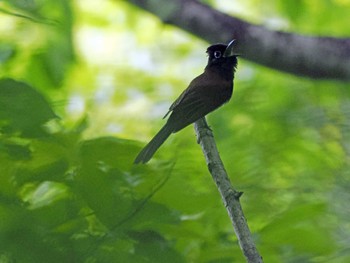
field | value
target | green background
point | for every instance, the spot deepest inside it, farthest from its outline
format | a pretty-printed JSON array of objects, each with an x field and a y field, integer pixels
[{"x": 84, "y": 85}]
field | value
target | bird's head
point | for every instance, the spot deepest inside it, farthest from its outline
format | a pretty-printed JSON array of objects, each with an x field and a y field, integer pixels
[{"x": 222, "y": 56}]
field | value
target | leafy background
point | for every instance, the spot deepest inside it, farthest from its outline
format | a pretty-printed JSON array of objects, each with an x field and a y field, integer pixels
[{"x": 84, "y": 85}]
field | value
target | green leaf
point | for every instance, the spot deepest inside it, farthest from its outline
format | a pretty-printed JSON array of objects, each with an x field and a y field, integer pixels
[
  {"x": 23, "y": 109},
  {"x": 298, "y": 229},
  {"x": 109, "y": 151},
  {"x": 153, "y": 247},
  {"x": 100, "y": 179}
]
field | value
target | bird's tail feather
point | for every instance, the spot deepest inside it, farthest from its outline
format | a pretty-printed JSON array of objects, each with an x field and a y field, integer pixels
[{"x": 148, "y": 151}]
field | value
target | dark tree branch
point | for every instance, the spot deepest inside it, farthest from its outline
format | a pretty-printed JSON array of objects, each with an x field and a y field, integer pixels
[
  {"x": 315, "y": 57},
  {"x": 228, "y": 194}
]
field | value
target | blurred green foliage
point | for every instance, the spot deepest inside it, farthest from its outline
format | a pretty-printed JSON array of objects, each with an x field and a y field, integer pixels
[{"x": 82, "y": 80}]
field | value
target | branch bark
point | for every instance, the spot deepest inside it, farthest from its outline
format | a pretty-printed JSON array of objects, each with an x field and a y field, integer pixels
[
  {"x": 310, "y": 56},
  {"x": 228, "y": 194}
]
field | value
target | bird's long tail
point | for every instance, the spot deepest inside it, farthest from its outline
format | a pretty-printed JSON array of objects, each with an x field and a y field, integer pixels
[{"x": 148, "y": 151}]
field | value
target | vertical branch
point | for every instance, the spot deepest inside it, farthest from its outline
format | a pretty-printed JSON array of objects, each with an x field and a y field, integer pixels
[{"x": 228, "y": 194}]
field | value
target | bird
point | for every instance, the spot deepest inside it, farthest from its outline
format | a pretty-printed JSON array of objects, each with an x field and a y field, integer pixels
[{"x": 204, "y": 94}]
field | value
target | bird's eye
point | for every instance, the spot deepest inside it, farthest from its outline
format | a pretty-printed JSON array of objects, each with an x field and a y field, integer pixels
[{"x": 217, "y": 54}]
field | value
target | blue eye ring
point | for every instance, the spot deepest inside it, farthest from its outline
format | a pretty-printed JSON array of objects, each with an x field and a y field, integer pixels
[{"x": 217, "y": 54}]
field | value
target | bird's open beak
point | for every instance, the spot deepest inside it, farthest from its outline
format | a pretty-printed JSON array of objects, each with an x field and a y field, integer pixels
[{"x": 229, "y": 50}]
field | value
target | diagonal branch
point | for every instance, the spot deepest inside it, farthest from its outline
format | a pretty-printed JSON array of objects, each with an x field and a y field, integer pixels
[
  {"x": 228, "y": 194},
  {"x": 310, "y": 56}
]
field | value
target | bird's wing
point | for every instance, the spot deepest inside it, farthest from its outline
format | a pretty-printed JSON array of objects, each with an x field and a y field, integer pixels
[
  {"x": 190, "y": 89},
  {"x": 202, "y": 96}
]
